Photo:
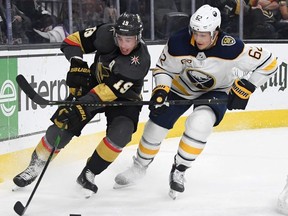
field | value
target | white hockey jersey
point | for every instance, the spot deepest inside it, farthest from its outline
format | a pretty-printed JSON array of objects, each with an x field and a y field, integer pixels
[{"x": 191, "y": 72}]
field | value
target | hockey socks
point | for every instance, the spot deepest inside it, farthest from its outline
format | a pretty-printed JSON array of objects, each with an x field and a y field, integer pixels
[{"x": 105, "y": 153}]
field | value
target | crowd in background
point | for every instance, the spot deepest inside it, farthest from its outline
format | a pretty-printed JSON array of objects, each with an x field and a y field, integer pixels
[
  {"x": 44, "y": 21},
  {"x": 263, "y": 19}
]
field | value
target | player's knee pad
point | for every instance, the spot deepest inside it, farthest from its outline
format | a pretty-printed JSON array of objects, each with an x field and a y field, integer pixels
[
  {"x": 52, "y": 134},
  {"x": 154, "y": 133},
  {"x": 120, "y": 131},
  {"x": 199, "y": 124},
  {"x": 198, "y": 127},
  {"x": 151, "y": 140}
]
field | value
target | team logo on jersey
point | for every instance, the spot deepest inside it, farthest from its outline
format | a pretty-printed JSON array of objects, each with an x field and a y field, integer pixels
[
  {"x": 200, "y": 79},
  {"x": 228, "y": 41},
  {"x": 135, "y": 60}
]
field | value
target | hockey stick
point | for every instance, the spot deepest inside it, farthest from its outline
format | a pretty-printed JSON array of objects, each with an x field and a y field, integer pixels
[
  {"x": 19, "y": 207},
  {"x": 38, "y": 99}
]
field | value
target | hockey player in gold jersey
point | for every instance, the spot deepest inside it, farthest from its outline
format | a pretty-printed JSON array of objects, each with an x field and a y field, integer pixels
[{"x": 121, "y": 63}]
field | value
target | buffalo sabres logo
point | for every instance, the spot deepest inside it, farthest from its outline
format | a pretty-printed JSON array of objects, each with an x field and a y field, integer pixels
[
  {"x": 135, "y": 60},
  {"x": 200, "y": 79},
  {"x": 228, "y": 41},
  {"x": 201, "y": 56}
]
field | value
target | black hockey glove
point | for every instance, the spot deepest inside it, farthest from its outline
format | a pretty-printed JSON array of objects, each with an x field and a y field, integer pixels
[
  {"x": 239, "y": 94},
  {"x": 78, "y": 77},
  {"x": 159, "y": 97},
  {"x": 71, "y": 118}
]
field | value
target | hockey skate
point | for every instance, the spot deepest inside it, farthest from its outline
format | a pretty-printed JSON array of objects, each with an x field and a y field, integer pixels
[
  {"x": 30, "y": 173},
  {"x": 282, "y": 204},
  {"x": 131, "y": 175},
  {"x": 176, "y": 180},
  {"x": 86, "y": 180}
]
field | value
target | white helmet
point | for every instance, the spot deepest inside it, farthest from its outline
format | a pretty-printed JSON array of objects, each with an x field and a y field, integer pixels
[{"x": 206, "y": 19}]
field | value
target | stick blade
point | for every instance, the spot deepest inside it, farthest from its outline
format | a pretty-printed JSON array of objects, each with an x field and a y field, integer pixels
[
  {"x": 24, "y": 85},
  {"x": 29, "y": 91},
  {"x": 19, "y": 208}
]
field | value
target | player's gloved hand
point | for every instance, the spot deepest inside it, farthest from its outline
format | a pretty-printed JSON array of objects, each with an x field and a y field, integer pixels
[
  {"x": 159, "y": 97},
  {"x": 239, "y": 94},
  {"x": 70, "y": 117},
  {"x": 78, "y": 77}
]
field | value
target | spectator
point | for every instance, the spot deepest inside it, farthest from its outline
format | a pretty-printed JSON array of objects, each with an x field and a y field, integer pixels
[
  {"x": 93, "y": 13},
  {"x": 276, "y": 12},
  {"x": 50, "y": 32},
  {"x": 282, "y": 24},
  {"x": 20, "y": 23},
  {"x": 258, "y": 23},
  {"x": 35, "y": 11},
  {"x": 269, "y": 5},
  {"x": 110, "y": 12},
  {"x": 85, "y": 14},
  {"x": 283, "y": 10},
  {"x": 30, "y": 8}
]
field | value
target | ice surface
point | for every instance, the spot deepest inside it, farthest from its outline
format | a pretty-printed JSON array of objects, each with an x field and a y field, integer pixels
[{"x": 238, "y": 173}]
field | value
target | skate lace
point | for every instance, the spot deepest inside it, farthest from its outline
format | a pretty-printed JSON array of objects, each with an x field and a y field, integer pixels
[
  {"x": 178, "y": 176},
  {"x": 29, "y": 173},
  {"x": 90, "y": 176},
  {"x": 137, "y": 169},
  {"x": 137, "y": 166},
  {"x": 133, "y": 173}
]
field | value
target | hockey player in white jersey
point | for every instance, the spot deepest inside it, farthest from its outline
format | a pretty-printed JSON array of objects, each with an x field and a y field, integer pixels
[{"x": 197, "y": 63}]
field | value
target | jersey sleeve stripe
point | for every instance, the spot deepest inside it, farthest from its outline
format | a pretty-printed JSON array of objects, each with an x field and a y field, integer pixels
[
  {"x": 271, "y": 66},
  {"x": 74, "y": 40},
  {"x": 267, "y": 60},
  {"x": 180, "y": 87}
]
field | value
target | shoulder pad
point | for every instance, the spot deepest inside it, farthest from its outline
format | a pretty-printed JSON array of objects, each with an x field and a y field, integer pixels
[
  {"x": 227, "y": 47},
  {"x": 98, "y": 38},
  {"x": 179, "y": 44},
  {"x": 104, "y": 41}
]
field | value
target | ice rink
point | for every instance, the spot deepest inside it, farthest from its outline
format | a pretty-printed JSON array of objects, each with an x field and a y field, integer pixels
[{"x": 238, "y": 173}]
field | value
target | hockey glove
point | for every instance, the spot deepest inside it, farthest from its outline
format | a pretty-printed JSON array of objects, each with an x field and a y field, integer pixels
[
  {"x": 78, "y": 77},
  {"x": 159, "y": 97},
  {"x": 239, "y": 94},
  {"x": 71, "y": 118}
]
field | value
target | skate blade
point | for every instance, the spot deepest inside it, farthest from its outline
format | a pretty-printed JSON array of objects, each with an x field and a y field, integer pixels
[
  {"x": 173, "y": 194},
  {"x": 16, "y": 188},
  {"x": 119, "y": 186},
  {"x": 87, "y": 193}
]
